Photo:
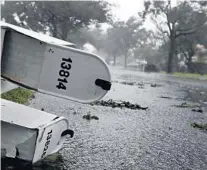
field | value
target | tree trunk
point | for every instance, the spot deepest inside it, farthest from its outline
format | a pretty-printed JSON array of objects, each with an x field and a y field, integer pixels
[
  {"x": 114, "y": 60},
  {"x": 171, "y": 55},
  {"x": 125, "y": 61},
  {"x": 64, "y": 31},
  {"x": 107, "y": 59},
  {"x": 191, "y": 54},
  {"x": 55, "y": 30},
  {"x": 55, "y": 33},
  {"x": 64, "y": 36}
]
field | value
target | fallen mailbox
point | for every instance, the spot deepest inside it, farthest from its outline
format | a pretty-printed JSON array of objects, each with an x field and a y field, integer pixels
[
  {"x": 30, "y": 134},
  {"x": 26, "y": 133},
  {"x": 49, "y": 66},
  {"x": 29, "y": 59}
]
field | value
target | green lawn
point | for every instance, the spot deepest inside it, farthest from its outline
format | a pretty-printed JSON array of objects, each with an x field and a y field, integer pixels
[
  {"x": 18, "y": 95},
  {"x": 189, "y": 75}
]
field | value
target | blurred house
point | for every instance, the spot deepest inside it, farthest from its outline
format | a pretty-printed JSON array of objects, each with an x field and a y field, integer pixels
[
  {"x": 200, "y": 54},
  {"x": 199, "y": 60}
]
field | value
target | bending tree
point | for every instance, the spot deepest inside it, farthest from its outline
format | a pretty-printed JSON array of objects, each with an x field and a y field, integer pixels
[{"x": 184, "y": 19}]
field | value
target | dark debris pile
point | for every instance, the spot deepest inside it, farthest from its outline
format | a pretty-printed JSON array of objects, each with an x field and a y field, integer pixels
[
  {"x": 186, "y": 105},
  {"x": 199, "y": 126},
  {"x": 89, "y": 117},
  {"x": 197, "y": 110},
  {"x": 119, "y": 104},
  {"x": 126, "y": 83},
  {"x": 165, "y": 97},
  {"x": 155, "y": 85}
]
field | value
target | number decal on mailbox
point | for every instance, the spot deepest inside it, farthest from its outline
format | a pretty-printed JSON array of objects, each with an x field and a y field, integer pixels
[
  {"x": 64, "y": 73},
  {"x": 49, "y": 136}
]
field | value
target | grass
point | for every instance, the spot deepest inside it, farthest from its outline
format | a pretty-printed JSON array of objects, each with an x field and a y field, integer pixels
[
  {"x": 188, "y": 75},
  {"x": 54, "y": 158},
  {"x": 18, "y": 95}
]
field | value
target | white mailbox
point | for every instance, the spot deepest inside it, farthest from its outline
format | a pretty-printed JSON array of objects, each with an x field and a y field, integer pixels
[{"x": 30, "y": 134}]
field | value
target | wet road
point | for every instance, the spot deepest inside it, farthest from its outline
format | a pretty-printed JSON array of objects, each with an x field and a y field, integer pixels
[{"x": 123, "y": 139}]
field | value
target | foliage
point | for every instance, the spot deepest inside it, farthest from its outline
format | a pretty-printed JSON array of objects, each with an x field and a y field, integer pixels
[
  {"x": 18, "y": 95},
  {"x": 179, "y": 28},
  {"x": 60, "y": 18},
  {"x": 123, "y": 37},
  {"x": 95, "y": 37},
  {"x": 182, "y": 20}
]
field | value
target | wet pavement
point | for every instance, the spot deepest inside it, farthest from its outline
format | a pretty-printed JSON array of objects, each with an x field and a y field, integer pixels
[{"x": 160, "y": 137}]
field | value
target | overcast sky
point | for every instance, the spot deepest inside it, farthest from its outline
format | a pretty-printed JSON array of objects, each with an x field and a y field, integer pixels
[{"x": 127, "y": 8}]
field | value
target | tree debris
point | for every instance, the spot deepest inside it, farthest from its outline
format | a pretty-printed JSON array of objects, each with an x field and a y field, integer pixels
[
  {"x": 198, "y": 110},
  {"x": 121, "y": 104},
  {"x": 165, "y": 97},
  {"x": 89, "y": 117},
  {"x": 185, "y": 105},
  {"x": 155, "y": 85},
  {"x": 199, "y": 126}
]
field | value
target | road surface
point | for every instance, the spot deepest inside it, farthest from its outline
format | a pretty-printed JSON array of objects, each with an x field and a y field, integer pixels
[{"x": 160, "y": 137}]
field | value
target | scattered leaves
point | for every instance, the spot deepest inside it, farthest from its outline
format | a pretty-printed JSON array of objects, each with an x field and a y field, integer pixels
[
  {"x": 121, "y": 104},
  {"x": 199, "y": 126}
]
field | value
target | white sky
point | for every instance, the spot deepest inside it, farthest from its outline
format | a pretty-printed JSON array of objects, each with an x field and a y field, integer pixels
[{"x": 126, "y": 8}]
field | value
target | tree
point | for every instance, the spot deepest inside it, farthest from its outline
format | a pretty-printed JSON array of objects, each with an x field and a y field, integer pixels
[
  {"x": 182, "y": 20},
  {"x": 95, "y": 37},
  {"x": 125, "y": 34},
  {"x": 60, "y": 18},
  {"x": 111, "y": 44},
  {"x": 145, "y": 41}
]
